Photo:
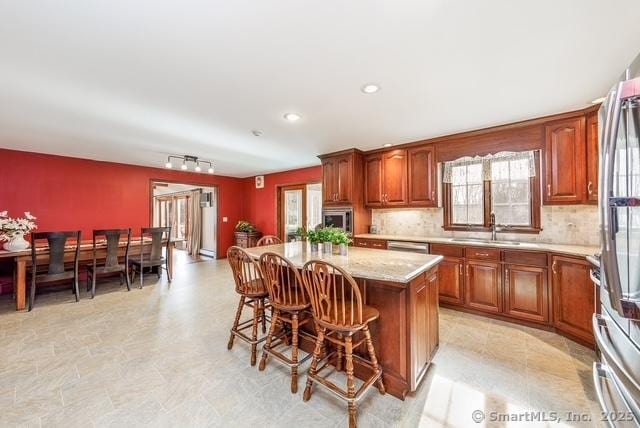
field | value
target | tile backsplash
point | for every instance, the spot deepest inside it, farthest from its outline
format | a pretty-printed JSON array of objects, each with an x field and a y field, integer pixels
[{"x": 575, "y": 224}]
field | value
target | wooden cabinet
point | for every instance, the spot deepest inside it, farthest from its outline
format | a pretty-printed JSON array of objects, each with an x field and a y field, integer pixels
[
  {"x": 424, "y": 320},
  {"x": 386, "y": 179},
  {"x": 337, "y": 180},
  {"x": 526, "y": 294},
  {"x": 379, "y": 244},
  {"x": 422, "y": 177},
  {"x": 452, "y": 280},
  {"x": 573, "y": 296},
  {"x": 247, "y": 239},
  {"x": 565, "y": 162},
  {"x": 592, "y": 157},
  {"x": 483, "y": 286}
]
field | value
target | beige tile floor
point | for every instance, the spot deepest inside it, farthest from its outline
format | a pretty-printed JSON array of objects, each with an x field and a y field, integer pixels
[{"x": 158, "y": 357}]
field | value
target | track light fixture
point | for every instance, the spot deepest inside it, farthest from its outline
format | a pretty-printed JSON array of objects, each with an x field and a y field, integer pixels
[{"x": 186, "y": 159}]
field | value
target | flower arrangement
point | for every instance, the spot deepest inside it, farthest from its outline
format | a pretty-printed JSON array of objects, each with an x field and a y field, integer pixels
[
  {"x": 245, "y": 226},
  {"x": 11, "y": 228}
]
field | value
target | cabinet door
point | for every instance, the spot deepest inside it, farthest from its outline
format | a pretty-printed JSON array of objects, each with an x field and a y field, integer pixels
[
  {"x": 421, "y": 328},
  {"x": 422, "y": 178},
  {"x": 451, "y": 280},
  {"x": 592, "y": 157},
  {"x": 394, "y": 177},
  {"x": 329, "y": 179},
  {"x": 373, "y": 180},
  {"x": 573, "y": 296},
  {"x": 483, "y": 289},
  {"x": 565, "y": 162},
  {"x": 433, "y": 282},
  {"x": 526, "y": 293},
  {"x": 344, "y": 175}
]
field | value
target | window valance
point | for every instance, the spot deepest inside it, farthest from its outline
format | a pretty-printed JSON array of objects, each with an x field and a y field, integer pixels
[{"x": 527, "y": 163}]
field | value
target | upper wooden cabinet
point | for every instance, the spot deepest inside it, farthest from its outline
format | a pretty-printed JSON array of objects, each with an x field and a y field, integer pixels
[
  {"x": 565, "y": 162},
  {"x": 592, "y": 157},
  {"x": 386, "y": 179},
  {"x": 422, "y": 177},
  {"x": 339, "y": 179}
]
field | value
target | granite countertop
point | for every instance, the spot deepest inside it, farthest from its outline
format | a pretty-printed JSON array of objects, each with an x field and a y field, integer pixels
[
  {"x": 363, "y": 263},
  {"x": 572, "y": 250}
]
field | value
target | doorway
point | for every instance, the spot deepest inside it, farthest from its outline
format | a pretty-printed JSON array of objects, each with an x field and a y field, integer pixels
[
  {"x": 191, "y": 212},
  {"x": 299, "y": 206}
]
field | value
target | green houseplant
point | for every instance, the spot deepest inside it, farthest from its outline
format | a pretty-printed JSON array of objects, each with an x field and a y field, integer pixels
[
  {"x": 245, "y": 226},
  {"x": 301, "y": 234},
  {"x": 246, "y": 234},
  {"x": 313, "y": 236}
]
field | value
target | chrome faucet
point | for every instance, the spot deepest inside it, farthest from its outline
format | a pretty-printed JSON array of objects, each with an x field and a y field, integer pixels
[{"x": 493, "y": 227}]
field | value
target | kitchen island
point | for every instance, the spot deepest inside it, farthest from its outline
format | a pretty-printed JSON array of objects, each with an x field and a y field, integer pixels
[{"x": 403, "y": 287}]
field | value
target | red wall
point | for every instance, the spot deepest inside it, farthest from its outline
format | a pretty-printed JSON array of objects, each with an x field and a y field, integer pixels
[
  {"x": 70, "y": 193},
  {"x": 260, "y": 204}
]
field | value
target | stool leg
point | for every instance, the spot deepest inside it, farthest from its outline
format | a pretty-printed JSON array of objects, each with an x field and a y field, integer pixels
[
  {"x": 235, "y": 323},
  {"x": 339, "y": 355},
  {"x": 254, "y": 331},
  {"x": 126, "y": 279},
  {"x": 351, "y": 389},
  {"x": 263, "y": 316},
  {"x": 93, "y": 286},
  {"x": 374, "y": 360},
  {"x": 314, "y": 363},
  {"x": 294, "y": 352},
  {"x": 267, "y": 345}
]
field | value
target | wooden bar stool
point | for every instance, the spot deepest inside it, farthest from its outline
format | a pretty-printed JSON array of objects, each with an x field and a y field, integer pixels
[
  {"x": 250, "y": 286},
  {"x": 268, "y": 240},
  {"x": 290, "y": 303},
  {"x": 339, "y": 314}
]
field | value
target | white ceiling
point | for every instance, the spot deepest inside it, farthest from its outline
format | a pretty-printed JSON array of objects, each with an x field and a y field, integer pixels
[{"x": 134, "y": 81}]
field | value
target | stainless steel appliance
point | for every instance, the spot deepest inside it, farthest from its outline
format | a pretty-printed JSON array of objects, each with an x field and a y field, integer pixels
[
  {"x": 342, "y": 218},
  {"x": 617, "y": 328},
  {"x": 410, "y": 247}
]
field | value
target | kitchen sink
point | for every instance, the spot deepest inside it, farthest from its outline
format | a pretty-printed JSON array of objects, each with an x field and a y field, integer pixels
[{"x": 483, "y": 241}]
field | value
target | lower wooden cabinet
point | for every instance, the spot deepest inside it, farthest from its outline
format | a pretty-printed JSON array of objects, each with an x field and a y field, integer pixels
[
  {"x": 378, "y": 244},
  {"x": 425, "y": 331},
  {"x": 452, "y": 280},
  {"x": 483, "y": 285},
  {"x": 526, "y": 294},
  {"x": 573, "y": 296}
]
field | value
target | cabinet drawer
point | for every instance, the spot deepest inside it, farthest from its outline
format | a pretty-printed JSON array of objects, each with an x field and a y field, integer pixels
[
  {"x": 531, "y": 258},
  {"x": 483, "y": 253},
  {"x": 379, "y": 244},
  {"x": 447, "y": 250}
]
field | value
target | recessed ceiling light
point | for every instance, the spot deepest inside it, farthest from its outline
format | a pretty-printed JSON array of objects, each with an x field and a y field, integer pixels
[
  {"x": 370, "y": 88},
  {"x": 292, "y": 117},
  {"x": 387, "y": 145},
  {"x": 598, "y": 100}
]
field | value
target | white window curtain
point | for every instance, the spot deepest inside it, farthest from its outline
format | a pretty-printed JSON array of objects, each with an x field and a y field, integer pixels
[{"x": 487, "y": 161}]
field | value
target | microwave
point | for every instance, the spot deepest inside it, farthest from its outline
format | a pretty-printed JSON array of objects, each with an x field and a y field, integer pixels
[{"x": 341, "y": 218}]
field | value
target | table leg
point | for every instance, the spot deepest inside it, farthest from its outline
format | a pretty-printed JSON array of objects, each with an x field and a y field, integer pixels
[
  {"x": 170, "y": 261},
  {"x": 21, "y": 284}
]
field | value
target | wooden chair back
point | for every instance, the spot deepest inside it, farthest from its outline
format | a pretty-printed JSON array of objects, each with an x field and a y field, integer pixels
[
  {"x": 57, "y": 243},
  {"x": 268, "y": 240},
  {"x": 157, "y": 235},
  {"x": 283, "y": 282},
  {"x": 246, "y": 272},
  {"x": 113, "y": 238},
  {"x": 334, "y": 294}
]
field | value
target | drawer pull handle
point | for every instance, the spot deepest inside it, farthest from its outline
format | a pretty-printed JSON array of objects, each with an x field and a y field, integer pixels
[
  {"x": 553, "y": 268},
  {"x": 460, "y": 268},
  {"x": 590, "y": 187},
  {"x": 549, "y": 190},
  {"x": 482, "y": 254}
]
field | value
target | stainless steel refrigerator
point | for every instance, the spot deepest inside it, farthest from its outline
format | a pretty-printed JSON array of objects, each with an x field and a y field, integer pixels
[{"x": 617, "y": 328}]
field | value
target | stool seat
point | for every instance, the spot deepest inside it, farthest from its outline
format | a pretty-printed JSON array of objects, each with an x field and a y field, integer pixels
[{"x": 341, "y": 320}]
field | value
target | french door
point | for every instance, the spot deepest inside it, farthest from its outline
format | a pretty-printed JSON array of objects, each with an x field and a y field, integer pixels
[{"x": 299, "y": 206}]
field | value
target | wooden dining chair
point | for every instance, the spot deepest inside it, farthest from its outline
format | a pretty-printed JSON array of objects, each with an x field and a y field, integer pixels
[
  {"x": 56, "y": 268},
  {"x": 111, "y": 263},
  {"x": 268, "y": 240},
  {"x": 290, "y": 303},
  {"x": 160, "y": 237},
  {"x": 249, "y": 282},
  {"x": 340, "y": 314}
]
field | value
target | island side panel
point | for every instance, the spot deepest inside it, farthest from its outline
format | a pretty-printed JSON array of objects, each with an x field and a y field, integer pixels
[{"x": 389, "y": 332}]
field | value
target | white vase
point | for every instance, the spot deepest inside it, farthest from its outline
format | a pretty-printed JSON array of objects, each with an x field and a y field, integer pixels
[{"x": 18, "y": 243}]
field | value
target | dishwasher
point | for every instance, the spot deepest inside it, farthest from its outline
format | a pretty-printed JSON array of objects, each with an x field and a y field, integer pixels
[{"x": 408, "y": 247}]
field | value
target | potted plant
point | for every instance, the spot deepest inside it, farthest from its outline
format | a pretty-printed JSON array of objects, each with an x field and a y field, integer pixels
[
  {"x": 13, "y": 230},
  {"x": 246, "y": 234},
  {"x": 301, "y": 234},
  {"x": 326, "y": 237},
  {"x": 341, "y": 242},
  {"x": 313, "y": 236}
]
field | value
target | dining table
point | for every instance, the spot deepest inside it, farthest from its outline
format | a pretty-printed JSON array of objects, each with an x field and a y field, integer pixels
[{"x": 22, "y": 259}]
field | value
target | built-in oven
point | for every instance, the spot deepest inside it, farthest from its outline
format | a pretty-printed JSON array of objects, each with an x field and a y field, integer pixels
[{"x": 341, "y": 218}]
